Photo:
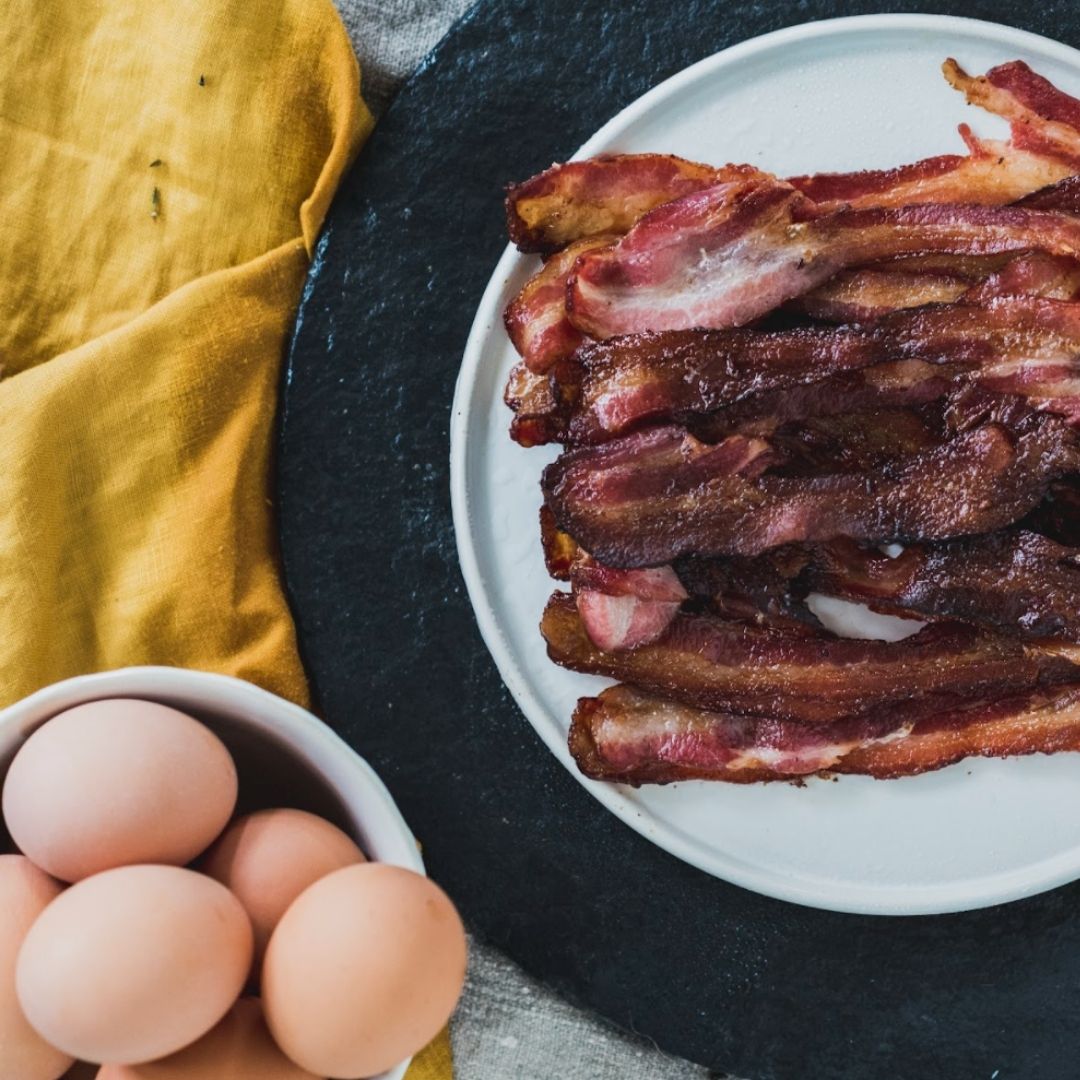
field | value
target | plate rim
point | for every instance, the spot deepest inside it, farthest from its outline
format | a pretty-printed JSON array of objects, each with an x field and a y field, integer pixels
[{"x": 891, "y": 900}]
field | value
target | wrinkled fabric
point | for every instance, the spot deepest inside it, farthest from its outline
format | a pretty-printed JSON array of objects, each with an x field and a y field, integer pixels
[{"x": 165, "y": 172}]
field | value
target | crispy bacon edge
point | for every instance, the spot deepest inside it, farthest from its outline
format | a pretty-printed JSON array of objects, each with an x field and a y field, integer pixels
[
  {"x": 646, "y": 499},
  {"x": 713, "y": 261},
  {"x": 630, "y": 737},
  {"x": 714, "y": 663},
  {"x": 603, "y": 194}
]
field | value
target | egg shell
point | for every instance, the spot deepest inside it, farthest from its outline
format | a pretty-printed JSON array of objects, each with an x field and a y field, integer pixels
[
  {"x": 134, "y": 964},
  {"x": 363, "y": 970},
  {"x": 25, "y": 891},
  {"x": 117, "y": 783},
  {"x": 239, "y": 1048},
  {"x": 267, "y": 859}
]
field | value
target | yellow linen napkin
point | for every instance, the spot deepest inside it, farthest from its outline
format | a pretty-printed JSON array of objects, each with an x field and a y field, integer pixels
[{"x": 164, "y": 173}]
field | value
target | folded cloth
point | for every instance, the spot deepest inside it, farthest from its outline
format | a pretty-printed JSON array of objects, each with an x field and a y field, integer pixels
[{"x": 166, "y": 168}]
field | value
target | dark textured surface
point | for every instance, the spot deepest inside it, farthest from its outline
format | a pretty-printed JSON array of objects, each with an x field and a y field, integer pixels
[{"x": 713, "y": 973}]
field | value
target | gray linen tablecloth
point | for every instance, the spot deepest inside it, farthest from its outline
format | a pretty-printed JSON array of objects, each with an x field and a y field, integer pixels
[{"x": 508, "y": 1026}]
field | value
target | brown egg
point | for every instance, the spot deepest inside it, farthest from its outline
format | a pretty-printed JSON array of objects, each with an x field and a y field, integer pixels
[
  {"x": 239, "y": 1048},
  {"x": 267, "y": 859},
  {"x": 25, "y": 891},
  {"x": 116, "y": 783},
  {"x": 363, "y": 970},
  {"x": 134, "y": 963}
]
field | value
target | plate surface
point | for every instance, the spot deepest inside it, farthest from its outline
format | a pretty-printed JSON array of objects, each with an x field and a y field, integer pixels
[{"x": 817, "y": 97}]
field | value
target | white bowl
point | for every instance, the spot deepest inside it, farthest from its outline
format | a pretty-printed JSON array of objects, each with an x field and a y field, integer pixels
[{"x": 284, "y": 755}]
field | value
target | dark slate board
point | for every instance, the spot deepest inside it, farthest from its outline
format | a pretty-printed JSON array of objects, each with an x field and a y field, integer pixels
[{"x": 753, "y": 986}]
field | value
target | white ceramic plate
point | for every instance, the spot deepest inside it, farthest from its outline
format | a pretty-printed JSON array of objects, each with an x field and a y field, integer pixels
[{"x": 844, "y": 94}]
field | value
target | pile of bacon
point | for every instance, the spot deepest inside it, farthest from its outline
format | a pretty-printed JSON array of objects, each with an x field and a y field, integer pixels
[{"x": 863, "y": 386}]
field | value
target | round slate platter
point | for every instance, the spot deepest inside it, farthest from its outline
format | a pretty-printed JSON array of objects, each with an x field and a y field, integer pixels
[{"x": 743, "y": 984}]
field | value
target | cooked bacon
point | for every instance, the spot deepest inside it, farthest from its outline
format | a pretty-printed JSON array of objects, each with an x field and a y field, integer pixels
[
  {"x": 560, "y": 550},
  {"x": 1047, "y": 722},
  {"x": 1058, "y": 515},
  {"x": 632, "y": 737},
  {"x": 625, "y": 609},
  {"x": 941, "y": 412},
  {"x": 636, "y": 738},
  {"x": 715, "y": 663},
  {"x": 872, "y": 292},
  {"x": 852, "y": 442},
  {"x": 536, "y": 319},
  {"x": 714, "y": 259},
  {"x": 1044, "y": 149},
  {"x": 1044, "y": 120},
  {"x": 1027, "y": 346},
  {"x": 760, "y": 590},
  {"x": 647, "y": 498},
  {"x": 991, "y": 174},
  {"x": 1014, "y": 580},
  {"x": 605, "y": 194},
  {"x": 535, "y": 402},
  {"x": 1036, "y": 274},
  {"x": 1061, "y": 198},
  {"x": 886, "y": 388},
  {"x": 629, "y": 380},
  {"x": 621, "y": 609},
  {"x": 757, "y": 590}
]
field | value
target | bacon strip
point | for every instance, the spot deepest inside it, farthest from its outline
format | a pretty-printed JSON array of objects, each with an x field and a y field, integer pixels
[
  {"x": 631, "y": 737},
  {"x": 645, "y": 499},
  {"x": 535, "y": 403},
  {"x": 536, "y": 319},
  {"x": 757, "y": 590},
  {"x": 610, "y": 192},
  {"x": 1044, "y": 120},
  {"x": 710, "y": 260},
  {"x": 991, "y": 174},
  {"x": 1035, "y": 274},
  {"x": 1028, "y": 346},
  {"x": 1061, "y": 198},
  {"x": 625, "y": 609},
  {"x": 620, "y": 609},
  {"x": 888, "y": 388},
  {"x": 714, "y": 663},
  {"x": 605, "y": 194},
  {"x": 1017, "y": 581},
  {"x": 852, "y": 442},
  {"x": 629, "y": 380},
  {"x": 873, "y": 292},
  {"x": 1058, "y": 516}
]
